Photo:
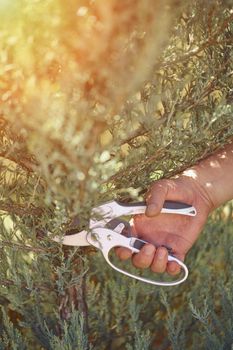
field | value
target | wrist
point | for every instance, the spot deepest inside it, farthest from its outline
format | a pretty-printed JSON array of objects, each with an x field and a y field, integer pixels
[
  {"x": 213, "y": 176},
  {"x": 202, "y": 186}
]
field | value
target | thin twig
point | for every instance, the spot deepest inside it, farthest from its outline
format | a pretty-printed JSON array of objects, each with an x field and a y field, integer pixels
[
  {"x": 26, "y": 164},
  {"x": 20, "y": 210},
  {"x": 7, "y": 283},
  {"x": 142, "y": 131},
  {"x": 158, "y": 154},
  {"x": 21, "y": 246},
  {"x": 210, "y": 42}
]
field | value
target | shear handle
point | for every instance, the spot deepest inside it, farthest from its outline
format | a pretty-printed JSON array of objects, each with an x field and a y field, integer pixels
[
  {"x": 169, "y": 207},
  {"x": 111, "y": 210},
  {"x": 106, "y": 239}
]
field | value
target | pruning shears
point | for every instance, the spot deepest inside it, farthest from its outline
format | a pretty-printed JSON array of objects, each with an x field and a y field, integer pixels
[{"x": 106, "y": 232}]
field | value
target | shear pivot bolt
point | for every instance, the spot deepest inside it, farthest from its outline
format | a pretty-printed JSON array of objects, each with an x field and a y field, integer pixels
[{"x": 109, "y": 237}]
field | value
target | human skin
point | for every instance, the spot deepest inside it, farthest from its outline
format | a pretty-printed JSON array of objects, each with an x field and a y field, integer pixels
[{"x": 206, "y": 186}]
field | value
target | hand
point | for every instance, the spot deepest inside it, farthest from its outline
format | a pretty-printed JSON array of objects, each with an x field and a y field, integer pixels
[{"x": 179, "y": 232}]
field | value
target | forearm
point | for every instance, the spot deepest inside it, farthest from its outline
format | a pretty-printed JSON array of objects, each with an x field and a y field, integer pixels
[{"x": 215, "y": 175}]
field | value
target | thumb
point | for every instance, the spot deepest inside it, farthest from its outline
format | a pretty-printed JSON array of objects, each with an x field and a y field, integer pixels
[{"x": 156, "y": 197}]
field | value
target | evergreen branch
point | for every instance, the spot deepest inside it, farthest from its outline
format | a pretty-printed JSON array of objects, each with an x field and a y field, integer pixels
[
  {"x": 210, "y": 42},
  {"x": 158, "y": 156},
  {"x": 209, "y": 88},
  {"x": 75, "y": 296},
  {"x": 224, "y": 25},
  {"x": 137, "y": 133},
  {"x": 142, "y": 131},
  {"x": 159, "y": 153},
  {"x": 26, "y": 163},
  {"x": 21, "y": 210},
  {"x": 191, "y": 53},
  {"x": 8, "y": 282},
  {"x": 12, "y": 154},
  {"x": 206, "y": 153},
  {"x": 21, "y": 246}
]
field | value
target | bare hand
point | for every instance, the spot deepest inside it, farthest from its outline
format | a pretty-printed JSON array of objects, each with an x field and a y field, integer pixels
[{"x": 178, "y": 232}]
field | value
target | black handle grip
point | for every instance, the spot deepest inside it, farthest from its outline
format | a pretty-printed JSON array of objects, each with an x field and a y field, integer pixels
[{"x": 166, "y": 205}]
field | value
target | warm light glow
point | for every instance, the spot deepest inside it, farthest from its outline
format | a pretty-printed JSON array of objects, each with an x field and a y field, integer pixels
[
  {"x": 49, "y": 48},
  {"x": 4, "y": 4}
]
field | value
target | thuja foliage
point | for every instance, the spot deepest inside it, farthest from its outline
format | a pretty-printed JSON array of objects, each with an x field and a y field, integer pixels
[{"x": 97, "y": 102}]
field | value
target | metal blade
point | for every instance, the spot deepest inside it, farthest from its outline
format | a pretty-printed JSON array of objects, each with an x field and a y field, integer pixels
[{"x": 77, "y": 239}]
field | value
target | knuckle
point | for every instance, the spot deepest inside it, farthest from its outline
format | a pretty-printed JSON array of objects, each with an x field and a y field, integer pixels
[
  {"x": 123, "y": 254},
  {"x": 159, "y": 184},
  {"x": 140, "y": 262},
  {"x": 158, "y": 268},
  {"x": 157, "y": 190},
  {"x": 160, "y": 261},
  {"x": 148, "y": 197}
]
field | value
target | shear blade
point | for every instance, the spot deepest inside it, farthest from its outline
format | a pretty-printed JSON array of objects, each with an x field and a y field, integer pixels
[{"x": 77, "y": 239}]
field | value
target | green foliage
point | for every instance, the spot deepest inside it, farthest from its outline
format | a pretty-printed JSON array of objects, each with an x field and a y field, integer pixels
[
  {"x": 11, "y": 337},
  {"x": 74, "y": 139},
  {"x": 195, "y": 315},
  {"x": 73, "y": 335}
]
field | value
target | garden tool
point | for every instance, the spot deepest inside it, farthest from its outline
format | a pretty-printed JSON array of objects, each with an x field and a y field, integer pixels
[{"x": 106, "y": 232}]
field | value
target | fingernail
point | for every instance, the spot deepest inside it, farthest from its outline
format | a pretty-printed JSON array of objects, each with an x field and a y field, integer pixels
[
  {"x": 151, "y": 210},
  {"x": 148, "y": 249},
  {"x": 172, "y": 267},
  {"x": 161, "y": 254}
]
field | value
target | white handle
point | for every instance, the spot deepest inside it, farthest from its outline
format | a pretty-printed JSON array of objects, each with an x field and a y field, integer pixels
[
  {"x": 104, "y": 213},
  {"x": 106, "y": 239},
  {"x": 169, "y": 207}
]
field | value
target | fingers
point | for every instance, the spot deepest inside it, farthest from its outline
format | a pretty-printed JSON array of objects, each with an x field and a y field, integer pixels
[
  {"x": 159, "y": 263},
  {"x": 156, "y": 259},
  {"x": 123, "y": 253},
  {"x": 156, "y": 197},
  {"x": 173, "y": 268},
  {"x": 149, "y": 256},
  {"x": 145, "y": 257}
]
